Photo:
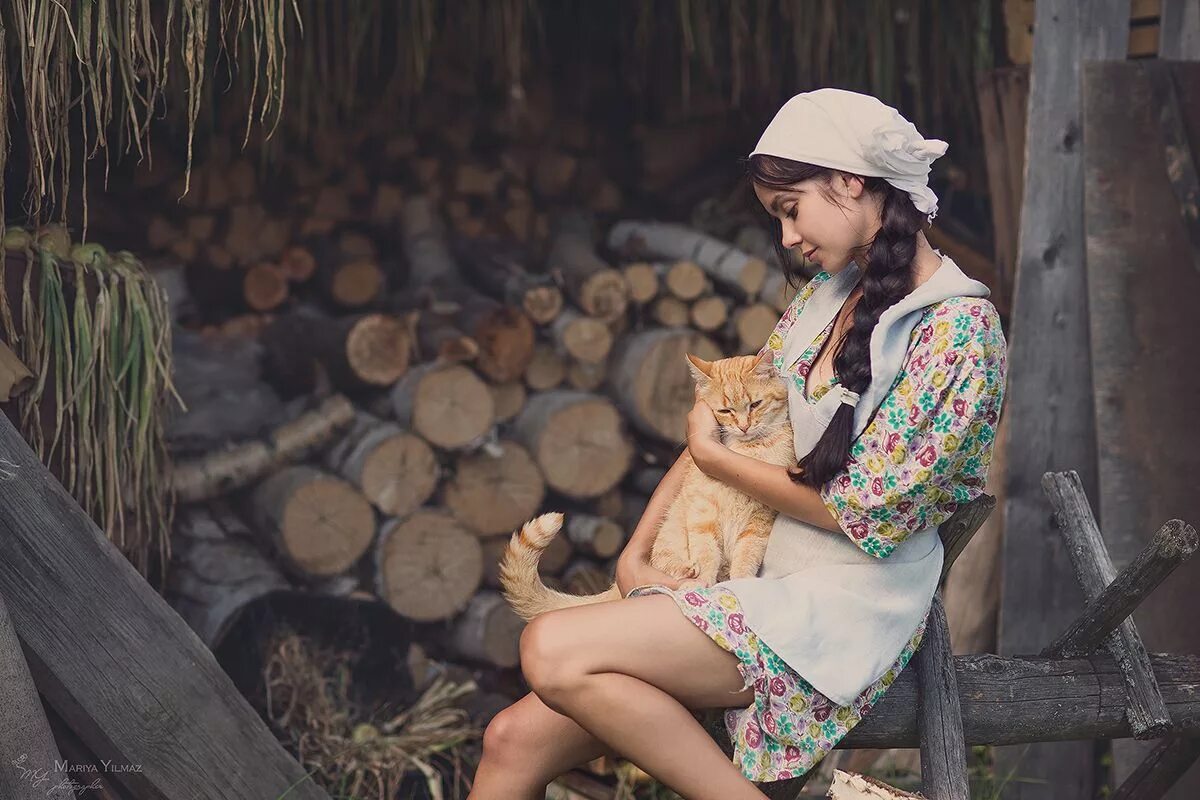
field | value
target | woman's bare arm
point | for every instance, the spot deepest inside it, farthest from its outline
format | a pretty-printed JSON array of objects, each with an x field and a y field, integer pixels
[
  {"x": 767, "y": 483},
  {"x": 633, "y": 565}
]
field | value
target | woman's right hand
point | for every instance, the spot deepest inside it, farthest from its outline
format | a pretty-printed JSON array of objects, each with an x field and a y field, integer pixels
[{"x": 633, "y": 569}]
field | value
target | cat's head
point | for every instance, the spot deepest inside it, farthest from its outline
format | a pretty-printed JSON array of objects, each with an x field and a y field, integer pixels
[{"x": 746, "y": 394}]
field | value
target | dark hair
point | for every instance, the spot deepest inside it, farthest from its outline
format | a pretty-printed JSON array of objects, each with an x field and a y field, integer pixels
[{"x": 887, "y": 279}]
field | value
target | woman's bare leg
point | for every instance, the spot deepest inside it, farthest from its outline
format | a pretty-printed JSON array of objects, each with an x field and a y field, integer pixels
[
  {"x": 627, "y": 672},
  {"x": 526, "y": 746}
]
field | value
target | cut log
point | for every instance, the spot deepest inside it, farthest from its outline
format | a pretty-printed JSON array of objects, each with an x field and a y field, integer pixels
[
  {"x": 670, "y": 312},
  {"x": 298, "y": 263},
  {"x": 752, "y": 325},
  {"x": 489, "y": 630},
  {"x": 440, "y": 339},
  {"x": 498, "y": 269},
  {"x": 556, "y": 556},
  {"x": 650, "y": 379},
  {"x": 447, "y": 405},
  {"x": 577, "y": 439},
  {"x": 742, "y": 273},
  {"x": 594, "y": 535},
  {"x": 353, "y": 283},
  {"x": 504, "y": 334},
  {"x": 318, "y": 523},
  {"x": 363, "y": 351},
  {"x": 852, "y": 786},
  {"x": 546, "y": 369},
  {"x": 777, "y": 292},
  {"x": 591, "y": 283},
  {"x": 552, "y": 172},
  {"x": 709, "y": 314},
  {"x": 508, "y": 399},
  {"x": 493, "y": 494},
  {"x": 223, "y": 471},
  {"x": 683, "y": 279},
  {"x": 386, "y": 206},
  {"x": 586, "y": 377},
  {"x": 583, "y": 576},
  {"x": 264, "y": 286},
  {"x": 430, "y": 264},
  {"x": 393, "y": 468},
  {"x": 943, "y": 751},
  {"x": 582, "y": 337},
  {"x": 642, "y": 279},
  {"x": 427, "y": 567},
  {"x": 217, "y": 571}
]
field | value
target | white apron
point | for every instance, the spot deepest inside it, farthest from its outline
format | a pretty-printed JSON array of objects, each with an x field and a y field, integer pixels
[{"x": 838, "y": 616}]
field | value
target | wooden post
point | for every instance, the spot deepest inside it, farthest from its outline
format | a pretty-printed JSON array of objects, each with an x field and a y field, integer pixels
[
  {"x": 103, "y": 648},
  {"x": 1147, "y": 712},
  {"x": 1050, "y": 387},
  {"x": 1172, "y": 545},
  {"x": 29, "y": 757},
  {"x": 1161, "y": 769},
  {"x": 1179, "y": 30},
  {"x": 939, "y": 720}
]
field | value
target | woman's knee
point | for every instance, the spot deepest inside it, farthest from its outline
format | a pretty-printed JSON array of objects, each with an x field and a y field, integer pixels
[
  {"x": 548, "y": 662},
  {"x": 507, "y": 736}
]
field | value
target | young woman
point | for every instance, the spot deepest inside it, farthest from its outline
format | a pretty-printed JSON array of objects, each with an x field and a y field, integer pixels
[{"x": 895, "y": 365}]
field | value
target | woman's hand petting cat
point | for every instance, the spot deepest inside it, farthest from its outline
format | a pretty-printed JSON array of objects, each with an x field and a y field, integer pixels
[
  {"x": 703, "y": 434},
  {"x": 634, "y": 570}
]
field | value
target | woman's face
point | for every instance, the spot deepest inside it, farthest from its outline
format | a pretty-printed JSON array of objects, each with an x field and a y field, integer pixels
[{"x": 827, "y": 223}]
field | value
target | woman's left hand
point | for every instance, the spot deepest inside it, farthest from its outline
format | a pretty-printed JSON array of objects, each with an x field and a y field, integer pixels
[{"x": 703, "y": 432}]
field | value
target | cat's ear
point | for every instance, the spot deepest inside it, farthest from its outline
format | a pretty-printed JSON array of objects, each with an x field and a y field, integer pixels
[
  {"x": 764, "y": 367},
  {"x": 701, "y": 370}
]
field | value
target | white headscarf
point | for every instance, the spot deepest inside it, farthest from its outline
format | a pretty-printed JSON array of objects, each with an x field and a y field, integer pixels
[{"x": 855, "y": 133}]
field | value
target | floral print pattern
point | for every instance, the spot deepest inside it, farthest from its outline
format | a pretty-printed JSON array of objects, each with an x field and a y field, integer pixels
[
  {"x": 790, "y": 726},
  {"x": 929, "y": 445}
]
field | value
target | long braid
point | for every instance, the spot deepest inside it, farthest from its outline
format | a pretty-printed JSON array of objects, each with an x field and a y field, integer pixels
[{"x": 887, "y": 279}]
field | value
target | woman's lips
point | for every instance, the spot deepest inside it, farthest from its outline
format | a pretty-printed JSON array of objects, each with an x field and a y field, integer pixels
[{"x": 809, "y": 254}]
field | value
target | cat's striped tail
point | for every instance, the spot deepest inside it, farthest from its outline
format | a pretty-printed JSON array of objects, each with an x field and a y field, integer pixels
[{"x": 523, "y": 587}]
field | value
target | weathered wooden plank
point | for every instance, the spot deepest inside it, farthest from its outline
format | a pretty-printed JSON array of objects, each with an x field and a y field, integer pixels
[
  {"x": 1049, "y": 392},
  {"x": 1147, "y": 712},
  {"x": 956, "y": 532},
  {"x": 1019, "y": 700},
  {"x": 939, "y": 717},
  {"x": 29, "y": 758},
  {"x": 1172, "y": 545},
  {"x": 1141, "y": 288},
  {"x": 1177, "y": 151},
  {"x": 1179, "y": 30},
  {"x": 116, "y": 663},
  {"x": 1155, "y": 776}
]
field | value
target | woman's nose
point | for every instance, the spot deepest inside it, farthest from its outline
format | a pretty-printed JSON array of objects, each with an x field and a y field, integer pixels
[{"x": 790, "y": 238}]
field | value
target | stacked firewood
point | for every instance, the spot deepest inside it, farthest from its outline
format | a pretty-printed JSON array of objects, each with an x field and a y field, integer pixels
[{"x": 423, "y": 432}]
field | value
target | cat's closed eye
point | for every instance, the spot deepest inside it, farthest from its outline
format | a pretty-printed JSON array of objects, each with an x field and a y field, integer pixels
[{"x": 756, "y": 404}]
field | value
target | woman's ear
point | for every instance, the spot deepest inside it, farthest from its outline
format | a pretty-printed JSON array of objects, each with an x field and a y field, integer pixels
[{"x": 849, "y": 184}]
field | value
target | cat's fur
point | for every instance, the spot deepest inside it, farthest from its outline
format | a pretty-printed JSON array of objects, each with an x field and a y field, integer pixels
[{"x": 711, "y": 531}]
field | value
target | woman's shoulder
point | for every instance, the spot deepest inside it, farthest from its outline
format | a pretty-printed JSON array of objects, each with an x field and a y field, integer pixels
[{"x": 968, "y": 321}]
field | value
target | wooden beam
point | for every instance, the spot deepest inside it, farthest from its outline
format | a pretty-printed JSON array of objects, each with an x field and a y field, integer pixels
[
  {"x": 1027, "y": 700},
  {"x": 1155, "y": 776},
  {"x": 956, "y": 532},
  {"x": 1172, "y": 545},
  {"x": 1049, "y": 395},
  {"x": 117, "y": 664},
  {"x": 1147, "y": 712},
  {"x": 939, "y": 716},
  {"x": 1179, "y": 30},
  {"x": 29, "y": 758}
]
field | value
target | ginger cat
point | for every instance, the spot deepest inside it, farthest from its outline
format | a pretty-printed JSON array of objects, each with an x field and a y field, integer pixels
[{"x": 710, "y": 532}]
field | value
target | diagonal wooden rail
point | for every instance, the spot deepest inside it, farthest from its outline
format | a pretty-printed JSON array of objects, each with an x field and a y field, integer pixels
[{"x": 117, "y": 663}]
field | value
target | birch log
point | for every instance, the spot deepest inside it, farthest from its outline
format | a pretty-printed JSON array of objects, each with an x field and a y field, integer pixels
[
  {"x": 651, "y": 382},
  {"x": 736, "y": 270},
  {"x": 577, "y": 439},
  {"x": 427, "y": 566}
]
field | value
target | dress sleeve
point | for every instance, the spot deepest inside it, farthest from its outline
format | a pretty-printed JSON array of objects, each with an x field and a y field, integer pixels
[
  {"x": 774, "y": 344},
  {"x": 927, "y": 450}
]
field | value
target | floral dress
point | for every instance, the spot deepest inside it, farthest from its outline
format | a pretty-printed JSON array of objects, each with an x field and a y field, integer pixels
[{"x": 925, "y": 452}]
